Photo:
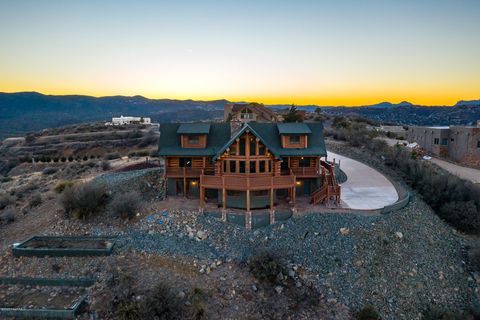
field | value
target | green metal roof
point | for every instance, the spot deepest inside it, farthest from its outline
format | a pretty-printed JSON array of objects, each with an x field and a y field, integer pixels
[
  {"x": 194, "y": 128},
  {"x": 170, "y": 145},
  {"x": 293, "y": 128},
  {"x": 219, "y": 139}
]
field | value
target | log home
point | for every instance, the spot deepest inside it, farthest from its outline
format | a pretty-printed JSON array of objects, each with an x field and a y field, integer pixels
[{"x": 247, "y": 165}]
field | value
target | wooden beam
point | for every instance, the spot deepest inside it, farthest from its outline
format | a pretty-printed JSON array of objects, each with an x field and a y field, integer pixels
[
  {"x": 248, "y": 200},
  {"x": 224, "y": 198},
  {"x": 202, "y": 197},
  {"x": 271, "y": 198},
  {"x": 184, "y": 184}
]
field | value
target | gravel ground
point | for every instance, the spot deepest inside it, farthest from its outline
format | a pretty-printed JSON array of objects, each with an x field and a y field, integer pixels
[{"x": 401, "y": 263}]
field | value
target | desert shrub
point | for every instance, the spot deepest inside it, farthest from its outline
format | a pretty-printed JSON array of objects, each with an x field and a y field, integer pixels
[
  {"x": 161, "y": 303},
  {"x": 6, "y": 200},
  {"x": 112, "y": 156},
  {"x": 36, "y": 200},
  {"x": 125, "y": 205},
  {"x": 462, "y": 214},
  {"x": 198, "y": 307},
  {"x": 266, "y": 267},
  {"x": 6, "y": 179},
  {"x": 84, "y": 200},
  {"x": 29, "y": 138},
  {"x": 21, "y": 191},
  {"x": 63, "y": 159},
  {"x": 62, "y": 185},
  {"x": 7, "y": 216},
  {"x": 70, "y": 159},
  {"x": 106, "y": 165},
  {"x": 85, "y": 158},
  {"x": 49, "y": 170},
  {"x": 368, "y": 313},
  {"x": 128, "y": 310}
]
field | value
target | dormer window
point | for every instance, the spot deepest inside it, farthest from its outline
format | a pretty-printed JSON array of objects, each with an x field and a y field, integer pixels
[
  {"x": 193, "y": 135},
  {"x": 193, "y": 140},
  {"x": 294, "y": 135},
  {"x": 294, "y": 139}
]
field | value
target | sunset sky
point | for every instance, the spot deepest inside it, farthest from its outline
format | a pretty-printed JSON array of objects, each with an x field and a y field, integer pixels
[{"x": 304, "y": 52}]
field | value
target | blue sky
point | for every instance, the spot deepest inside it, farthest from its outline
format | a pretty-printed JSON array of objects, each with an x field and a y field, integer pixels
[{"x": 324, "y": 52}]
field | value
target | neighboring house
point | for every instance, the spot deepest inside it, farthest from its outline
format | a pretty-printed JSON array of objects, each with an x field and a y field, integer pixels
[
  {"x": 130, "y": 120},
  {"x": 248, "y": 112},
  {"x": 458, "y": 143},
  {"x": 247, "y": 166}
]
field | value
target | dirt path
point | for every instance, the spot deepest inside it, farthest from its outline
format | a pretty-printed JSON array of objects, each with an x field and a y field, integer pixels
[{"x": 365, "y": 188}]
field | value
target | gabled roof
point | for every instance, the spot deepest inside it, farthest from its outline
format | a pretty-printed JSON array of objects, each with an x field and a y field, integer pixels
[
  {"x": 293, "y": 128},
  {"x": 219, "y": 139},
  {"x": 245, "y": 127},
  {"x": 270, "y": 133},
  {"x": 194, "y": 128}
]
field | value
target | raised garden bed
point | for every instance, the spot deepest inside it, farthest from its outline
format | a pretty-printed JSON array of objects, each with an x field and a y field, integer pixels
[
  {"x": 72, "y": 246},
  {"x": 21, "y": 301}
]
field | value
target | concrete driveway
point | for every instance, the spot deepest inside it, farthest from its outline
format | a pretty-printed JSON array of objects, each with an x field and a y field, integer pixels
[{"x": 365, "y": 188}]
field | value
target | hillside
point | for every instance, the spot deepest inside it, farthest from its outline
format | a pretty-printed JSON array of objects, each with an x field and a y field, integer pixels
[
  {"x": 31, "y": 111},
  {"x": 25, "y": 112}
]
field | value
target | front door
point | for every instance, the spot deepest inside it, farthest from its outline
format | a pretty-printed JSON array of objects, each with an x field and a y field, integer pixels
[
  {"x": 179, "y": 187},
  {"x": 306, "y": 188}
]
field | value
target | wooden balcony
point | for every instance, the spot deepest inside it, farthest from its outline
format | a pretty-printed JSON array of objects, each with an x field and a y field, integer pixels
[
  {"x": 306, "y": 172},
  {"x": 237, "y": 182},
  {"x": 183, "y": 172}
]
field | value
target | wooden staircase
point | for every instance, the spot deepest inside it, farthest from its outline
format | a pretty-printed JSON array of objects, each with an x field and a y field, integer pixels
[{"x": 329, "y": 189}]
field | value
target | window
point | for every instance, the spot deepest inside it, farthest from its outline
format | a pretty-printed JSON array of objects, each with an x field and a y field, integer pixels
[
  {"x": 452, "y": 140},
  {"x": 193, "y": 140},
  {"x": 269, "y": 165},
  {"x": 304, "y": 162},
  {"x": 253, "y": 168},
  {"x": 185, "y": 162},
  {"x": 233, "y": 166},
  {"x": 242, "y": 147},
  {"x": 444, "y": 142},
  {"x": 253, "y": 147},
  {"x": 233, "y": 150},
  {"x": 262, "y": 166},
  {"x": 242, "y": 166},
  {"x": 294, "y": 139},
  {"x": 436, "y": 141},
  {"x": 261, "y": 150},
  {"x": 478, "y": 144},
  {"x": 224, "y": 166}
]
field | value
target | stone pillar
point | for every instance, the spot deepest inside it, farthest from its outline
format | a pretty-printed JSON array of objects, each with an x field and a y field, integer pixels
[
  {"x": 224, "y": 215},
  {"x": 272, "y": 216},
  {"x": 248, "y": 220}
]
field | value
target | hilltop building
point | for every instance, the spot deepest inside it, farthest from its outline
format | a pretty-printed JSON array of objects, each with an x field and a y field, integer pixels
[
  {"x": 247, "y": 165},
  {"x": 248, "y": 112},
  {"x": 130, "y": 120},
  {"x": 458, "y": 143}
]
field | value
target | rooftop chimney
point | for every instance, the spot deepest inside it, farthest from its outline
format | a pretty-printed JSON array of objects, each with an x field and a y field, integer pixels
[{"x": 235, "y": 126}]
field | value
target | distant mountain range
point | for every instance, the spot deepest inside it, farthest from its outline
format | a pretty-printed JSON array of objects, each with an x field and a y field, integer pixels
[{"x": 24, "y": 112}]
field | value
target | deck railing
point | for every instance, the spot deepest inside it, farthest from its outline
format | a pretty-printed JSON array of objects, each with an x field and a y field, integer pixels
[
  {"x": 180, "y": 172},
  {"x": 235, "y": 182}
]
